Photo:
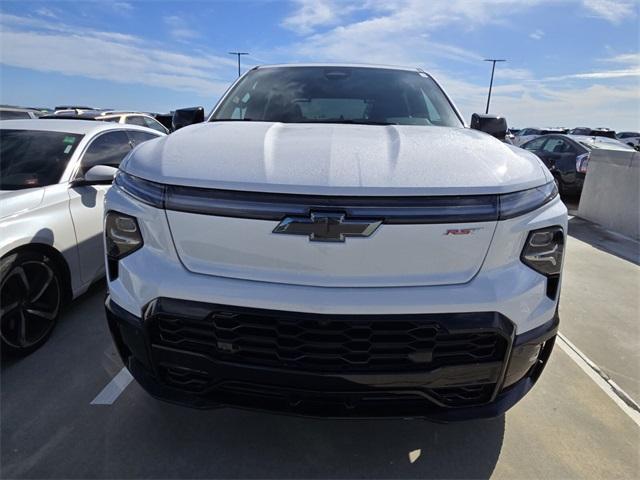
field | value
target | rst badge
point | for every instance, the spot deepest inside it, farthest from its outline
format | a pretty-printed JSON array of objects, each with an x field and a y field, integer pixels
[{"x": 461, "y": 231}]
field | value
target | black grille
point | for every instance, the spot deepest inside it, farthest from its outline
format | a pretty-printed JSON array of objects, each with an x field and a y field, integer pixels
[
  {"x": 242, "y": 393},
  {"x": 325, "y": 343},
  {"x": 460, "y": 396},
  {"x": 187, "y": 379}
]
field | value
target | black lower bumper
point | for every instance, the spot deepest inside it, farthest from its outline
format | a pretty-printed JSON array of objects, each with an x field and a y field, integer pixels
[{"x": 195, "y": 360}]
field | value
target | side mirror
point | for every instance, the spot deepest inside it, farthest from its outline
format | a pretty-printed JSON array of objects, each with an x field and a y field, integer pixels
[
  {"x": 97, "y": 175},
  {"x": 187, "y": 116},
  {"x": 491, "y": 124}
]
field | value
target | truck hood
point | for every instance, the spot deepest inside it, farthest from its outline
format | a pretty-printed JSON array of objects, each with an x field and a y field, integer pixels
[
  {"x": 13, "y": 202},
  {"x": 336, "y": 159}
]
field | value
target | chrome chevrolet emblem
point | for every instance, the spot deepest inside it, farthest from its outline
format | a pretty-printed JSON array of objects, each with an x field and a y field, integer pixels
[{"x": 327, "y": 227}]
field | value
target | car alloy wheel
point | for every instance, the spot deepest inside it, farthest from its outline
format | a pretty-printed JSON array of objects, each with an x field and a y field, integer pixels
[{"x": 29, "y": 304}]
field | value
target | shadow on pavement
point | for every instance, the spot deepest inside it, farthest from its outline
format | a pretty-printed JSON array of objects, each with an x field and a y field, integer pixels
[
  {"x": 233, "y": 443},
  {"x": 605, "y": 240}
]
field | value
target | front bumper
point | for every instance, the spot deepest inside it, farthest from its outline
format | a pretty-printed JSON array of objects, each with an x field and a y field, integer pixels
[{"x": 458, "y": 366}]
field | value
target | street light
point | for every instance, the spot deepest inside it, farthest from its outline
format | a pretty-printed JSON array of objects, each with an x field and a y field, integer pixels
[
  {"x": 238, "y": 54},
  {"x": 493, "y": 68}
]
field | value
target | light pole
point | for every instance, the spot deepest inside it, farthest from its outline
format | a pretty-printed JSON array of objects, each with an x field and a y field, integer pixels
[
  {"x": 493, "y": 69},
  {"x": 238, "y": 54}
]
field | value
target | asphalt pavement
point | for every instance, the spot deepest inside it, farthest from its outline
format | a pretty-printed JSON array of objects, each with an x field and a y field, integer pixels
[{"x": 569, "y": 426}]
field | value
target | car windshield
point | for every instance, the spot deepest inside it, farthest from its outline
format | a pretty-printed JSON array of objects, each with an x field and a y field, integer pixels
[
  {"x": 357, "y": 95},
  {"x": 31, "y": 158}
]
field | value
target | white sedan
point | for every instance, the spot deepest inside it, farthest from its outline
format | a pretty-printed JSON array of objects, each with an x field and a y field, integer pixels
[
  {"x": 630, "y": 138},
  {"x": 53, "y": 177}
]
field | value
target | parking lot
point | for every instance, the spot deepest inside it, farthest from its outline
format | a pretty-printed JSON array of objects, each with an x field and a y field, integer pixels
[{"x": 571, "y": 425}]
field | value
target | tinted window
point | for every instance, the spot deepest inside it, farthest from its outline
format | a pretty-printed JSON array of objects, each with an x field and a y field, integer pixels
[
  {"x": 151, "y": 123},
  {"x": 135, "y": 120},
  {"x": 580, "y": 131},
  {"x": 534, "y": 144},
  {"x": 13, "y": 115},
  {"x": 556, "y": 145},
  {"x": 338, "y": 95},
  {"x": 140, "y": 137},
  {"x": 628, "y": 135},
  {"x": 30, "y": 158},
  {"x": 107, "y": 149}
]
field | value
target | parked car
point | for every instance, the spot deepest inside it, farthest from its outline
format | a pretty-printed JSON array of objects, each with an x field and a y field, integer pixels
[
  {"x": 16, "y": 113},
  {"x": 601, "y": 143},
  {"x": 332, "y": 241},
  {"x": 567, "y": 157},
  {"x": 527, "y": 134},
  {"x": 76, "y": 108},
  {"x": 122, "y": 117},
  {"x": 593, "y": 132},
  {"x": 53, "y": 177},
  {"x": 630, "y": 138}
]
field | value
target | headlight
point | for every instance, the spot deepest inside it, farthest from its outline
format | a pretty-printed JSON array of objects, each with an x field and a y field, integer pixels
[
  {"x": 122, "y": 235},
  {"x": 439, "y": 209},
  {"x": 543, "y": 250},
  {"x": 519, "y": 203},
  {"x": 147, "y": 192}
]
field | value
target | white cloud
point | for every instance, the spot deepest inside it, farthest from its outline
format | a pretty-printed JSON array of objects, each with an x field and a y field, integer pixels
[
  {"x": 614, "y": 11},
  {"x": 625, "y": 58},
  {"x": 46, "y": 12},
  {"x": 179, "y": 28},
  {"x": 506, "y": 73},
  {"x": 110, "y": 56},
  {"x": 537, "y": 35},
  {"x": 403, "y": 33},
  {"x": 605, "y": 74},
  {"x": 311, "y": 14},
  {"x": 597, "y": 105},
  {"x": 123, "y": 6}
]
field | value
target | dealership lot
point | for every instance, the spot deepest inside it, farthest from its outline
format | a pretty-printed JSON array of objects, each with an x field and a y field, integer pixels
[{"x": 567, "y": 427}]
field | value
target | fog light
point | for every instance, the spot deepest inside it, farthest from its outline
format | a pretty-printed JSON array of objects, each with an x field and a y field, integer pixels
[{"x": 122, "y": 235}]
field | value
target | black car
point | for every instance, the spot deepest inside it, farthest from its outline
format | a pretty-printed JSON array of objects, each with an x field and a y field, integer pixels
[{"x": 565, "y": 157}]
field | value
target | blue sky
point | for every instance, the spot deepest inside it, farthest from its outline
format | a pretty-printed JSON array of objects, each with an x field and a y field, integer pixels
[{"x": 573, "y": 62}]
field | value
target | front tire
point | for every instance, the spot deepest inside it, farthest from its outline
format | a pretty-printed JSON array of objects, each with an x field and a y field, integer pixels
[{"x": 30, "y": 301}]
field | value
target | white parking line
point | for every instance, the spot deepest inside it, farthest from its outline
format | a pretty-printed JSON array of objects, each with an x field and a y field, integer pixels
[
  {"x": 608, "y": 386},
  {"x": 114, "y": 388}
]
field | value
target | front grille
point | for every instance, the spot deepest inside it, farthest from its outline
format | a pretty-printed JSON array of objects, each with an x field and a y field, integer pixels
[
  {"x": 450, "y": 396},
  {"x": 193, "y": 381},
  {"x": 461, "y": 396},
  {"x": 326, "y": 343}
]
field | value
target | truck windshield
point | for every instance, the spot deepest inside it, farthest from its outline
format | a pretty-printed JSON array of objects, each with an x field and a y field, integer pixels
[
  {"x": 31, "y": 158},
  {"x": 356, "y": 95}
]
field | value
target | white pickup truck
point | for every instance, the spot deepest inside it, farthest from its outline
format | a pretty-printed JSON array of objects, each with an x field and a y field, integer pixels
[{"x": 334, "y": 241}]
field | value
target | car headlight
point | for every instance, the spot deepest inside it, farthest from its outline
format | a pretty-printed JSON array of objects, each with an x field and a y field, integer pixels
[
  {"x": 122, "y": 237},
  {"x": 151, "y": 193},
  {"x": 202, "y": 200},
  {"x": 519, "y": 203},
  {"x": 543, "y": 252}
]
